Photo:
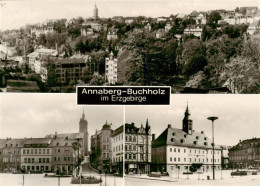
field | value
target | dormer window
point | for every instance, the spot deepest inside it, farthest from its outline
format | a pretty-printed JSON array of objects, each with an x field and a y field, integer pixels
[
  {"x": 205, "y": 143},
  {"x": 205, "y": 138},
  {"x": 197, "y": 137},
  {"x": 172, "y": 139},
  {"x": 173, "y": 134},
  {"x": 185, "y": 135},
  {"x": 182, "y": 141},
  {"x": 195, "y": 142},
  {"x": 57, "y": 144}
]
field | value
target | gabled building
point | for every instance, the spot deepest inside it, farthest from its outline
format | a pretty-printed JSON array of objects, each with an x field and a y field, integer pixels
[
  {"x": 184, "y": 149},
  {"x": 137, "y": 148},
  {"x": 195, "y": 30},
  {"x": 245, "y": 154}
]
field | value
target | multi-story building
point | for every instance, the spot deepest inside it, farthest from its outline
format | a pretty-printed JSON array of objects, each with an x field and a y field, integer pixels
[
  {"x": 112, "y": 34},
  {"x": 67, "y": 70},
  {"x": 224, "y": 156},
  {"x": 137, "y": 148},
  {"x": 117, "y": 138},
  {"x": 62, "y": 155},
  {"x": 36, "y": 155},
  {"x": 245, "y": 154},
  {"x": 111, "y": 69},
  {"x": 36, "y": 55},
  {"x": 196, "y": 31},
  {"x": 10, "y": 154},
  {"x": 184, "y": 149},
  {"x": 101, "y": 149},
  {"x": 41, "y": 30}
]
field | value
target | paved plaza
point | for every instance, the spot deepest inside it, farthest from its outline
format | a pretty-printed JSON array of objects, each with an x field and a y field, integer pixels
[
  {"x": 195, "y": 180},
  {"x": 7, "y": 179}
]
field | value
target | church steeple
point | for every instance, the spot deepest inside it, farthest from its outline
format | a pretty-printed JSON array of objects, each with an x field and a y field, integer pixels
[
  {"x": 83, "y": 114},
  {"x": 95, "y": 15},
  {"x": 187, "y": 122}
]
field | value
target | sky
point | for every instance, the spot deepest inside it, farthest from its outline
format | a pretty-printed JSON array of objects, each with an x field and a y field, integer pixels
[
  {"x": 36, "y": 115},
  {"x": 17, "y": 13},
  {"x": 238, "y": 115}
]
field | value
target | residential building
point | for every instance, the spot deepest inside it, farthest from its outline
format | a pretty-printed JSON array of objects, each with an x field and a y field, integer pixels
[
  {"x": 10, "y": 154},
  {"x": 111, "y": 69},
  {"x": 37, "y": 31},
  {"x": 62, "y": 155},
  {"x": 101, "y": 149},
  {"x": 254, "y": 27},
  {"x": 148, "y": 27},
  {"x": 37, "y": 54},
  {"x": 137, "y": 148},
  {"x": 184, "y": 150},
  {"x": 245, "y": 154},
  {"x": 224, "y": 156},
  {"x": 69, "y": 69},
  {"x": 199, "y": 17},
  {"x": 196, "y": 31},
  {"x": 117, "y": 138},
  {"x": 160, "y": 33},
  {"x": 112, "y": 34},
  {"x": 36, "y": 155},
  {"x": 168, "y": 27}
]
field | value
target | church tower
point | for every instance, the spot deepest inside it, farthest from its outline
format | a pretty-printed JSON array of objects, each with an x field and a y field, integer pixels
[
  {"x": 187, "y": 122},
  {"x": 83, "y": 128},
  {"x": 95, "y": 14}
]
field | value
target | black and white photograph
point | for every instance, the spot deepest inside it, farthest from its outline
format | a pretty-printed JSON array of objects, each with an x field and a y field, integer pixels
[
  {"x": 56, "y": 142},
  {"x": 197, "y": 140},
  {"x": 194, "y": 46}
]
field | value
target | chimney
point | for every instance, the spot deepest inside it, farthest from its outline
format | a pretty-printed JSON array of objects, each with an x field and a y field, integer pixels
[
  {"x": 153, "y": 137},
  {"x": 169, "y": 126}
]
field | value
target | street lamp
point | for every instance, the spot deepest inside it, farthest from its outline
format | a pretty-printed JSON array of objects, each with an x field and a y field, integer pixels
[
  {"x": 78, "y": 168},
  {"x": 213, "y": 118}
]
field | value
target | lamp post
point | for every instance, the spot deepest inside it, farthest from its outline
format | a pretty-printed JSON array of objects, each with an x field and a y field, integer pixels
[
  {"x": 78, "y": 168},
  {"x": 213, "y": 118}
]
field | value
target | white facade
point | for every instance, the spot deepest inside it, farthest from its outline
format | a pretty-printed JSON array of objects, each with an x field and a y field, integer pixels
[
  {"x": 111, "y": 69},
  {"x": 117, "y": 147},
  {"x": 36, "y": 159},
  {"x": 183, "y": 157},
  {"x": 195, "y": 31}
]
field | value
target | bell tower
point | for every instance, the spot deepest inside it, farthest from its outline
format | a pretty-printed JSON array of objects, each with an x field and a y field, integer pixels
[
  {"x": 187, "y": 122},
  {"x": 83, "y": 128},
  {"x": 95, "y": 13}
]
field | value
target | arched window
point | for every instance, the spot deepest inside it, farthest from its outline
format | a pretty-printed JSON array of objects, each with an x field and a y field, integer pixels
[{"x": 130, "y": 138}]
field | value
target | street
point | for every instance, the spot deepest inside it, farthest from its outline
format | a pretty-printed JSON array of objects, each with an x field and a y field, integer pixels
[
  {"x": 7, "y": 179},
  {"x": 194, "y": 180}
]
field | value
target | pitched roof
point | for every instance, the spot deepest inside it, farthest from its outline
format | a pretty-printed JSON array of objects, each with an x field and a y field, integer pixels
[
  {"x": 68, "y": 135},
  {"x": 38, "y": 141},
  {"x": 177, "y": 137}
]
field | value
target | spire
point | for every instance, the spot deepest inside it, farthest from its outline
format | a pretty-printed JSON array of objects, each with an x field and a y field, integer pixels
[
  {"x": 83, "y": 114},
  {"x": 147, "y": 123},
  {"x": 187, "y": 113}
]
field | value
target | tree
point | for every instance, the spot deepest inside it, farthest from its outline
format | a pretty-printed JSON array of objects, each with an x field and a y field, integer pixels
[
  {"x": 193, "y": 59},
  {"x": 213, "y": 19}
]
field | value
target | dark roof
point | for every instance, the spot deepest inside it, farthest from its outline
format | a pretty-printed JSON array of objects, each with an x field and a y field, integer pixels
[
  {"x": 68, "y": 135},
  {"x": 38, "y": 141},
  {"x": 177, "y": 137},
  {"x": 246, "y": 143},
  {"x": 62, "y": 142},
  {"x": 22, "y": 86},
  {"x": 118, "y": 131},
  {"x": 71, "y": 60},
  {"x": 13, "y": 142}
]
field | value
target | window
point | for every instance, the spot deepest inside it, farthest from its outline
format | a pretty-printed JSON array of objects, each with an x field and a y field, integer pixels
[
  {"x": 65, "y": 159},
  {"x": 170, "y": 149},
  {"x": 25, "y": 160},
  {"x": 178, "y": 150},
  {"x": 184, "y": 159},
  {"x": 174, "y": 149},
  {"x": 174, "y": 159},
  {"x": 170, "y": 158},
  {"x": 40, "y": 160},
  {"x": 125, "y": 156},
  {"x": 35, "y": 151},
  {"x": 184, "y": 150},
  {"x": 179, "y": 159},
  {"x": 58, "y": 158}
]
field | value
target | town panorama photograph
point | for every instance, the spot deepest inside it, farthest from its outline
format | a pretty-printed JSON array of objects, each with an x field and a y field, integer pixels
[{"x": 194, "y": 46}]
